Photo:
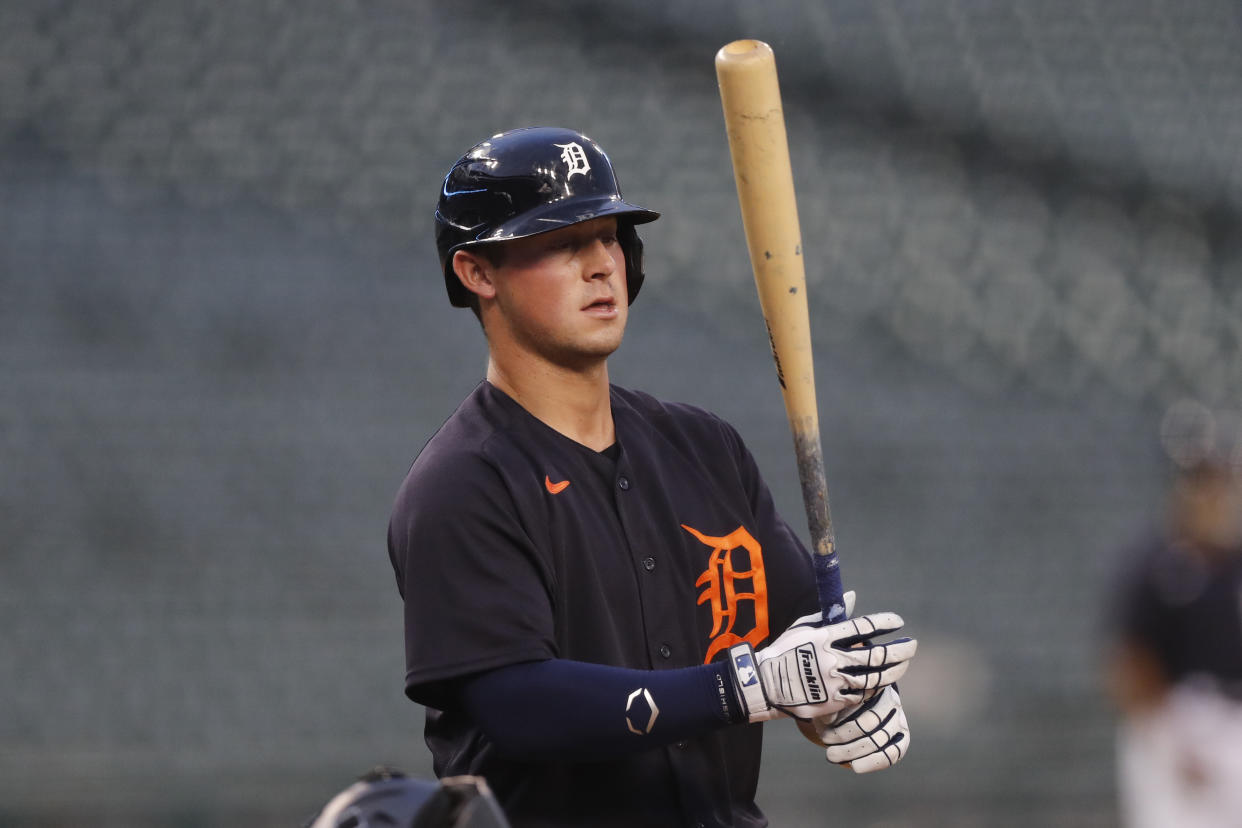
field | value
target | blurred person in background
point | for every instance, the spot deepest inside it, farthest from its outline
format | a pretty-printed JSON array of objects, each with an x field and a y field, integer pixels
[{"x": 1176, "y": 665}]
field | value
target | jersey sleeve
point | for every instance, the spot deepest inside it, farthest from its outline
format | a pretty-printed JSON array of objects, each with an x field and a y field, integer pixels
[{"x": 476, "y": 592}]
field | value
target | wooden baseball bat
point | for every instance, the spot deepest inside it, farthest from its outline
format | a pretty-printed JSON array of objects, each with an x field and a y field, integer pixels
[{"x": 755, "y": 122}]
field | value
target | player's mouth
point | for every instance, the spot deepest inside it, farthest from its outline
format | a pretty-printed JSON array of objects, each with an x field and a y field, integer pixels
[{"x": 605, "y": 308}]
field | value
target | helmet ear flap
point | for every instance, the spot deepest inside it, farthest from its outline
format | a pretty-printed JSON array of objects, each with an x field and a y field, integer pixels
[{"x": 632, "y": 247}]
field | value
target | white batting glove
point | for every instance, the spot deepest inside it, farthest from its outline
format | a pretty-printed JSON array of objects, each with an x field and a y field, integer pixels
[
  {"x": 869, "y": 737},
  {"x": 811, "y": 671}
]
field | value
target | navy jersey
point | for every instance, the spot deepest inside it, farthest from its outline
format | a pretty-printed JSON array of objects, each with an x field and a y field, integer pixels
[
  {"x": 1185, "y": 607},
  {"x": 514, "y": 543}
]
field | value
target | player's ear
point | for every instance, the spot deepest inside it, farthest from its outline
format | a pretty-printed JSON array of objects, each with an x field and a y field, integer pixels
[{"x": 475, "y": 273}]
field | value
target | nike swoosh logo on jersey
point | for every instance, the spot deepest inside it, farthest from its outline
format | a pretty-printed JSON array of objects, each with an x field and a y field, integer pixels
[{"x": 554, "y": 488}]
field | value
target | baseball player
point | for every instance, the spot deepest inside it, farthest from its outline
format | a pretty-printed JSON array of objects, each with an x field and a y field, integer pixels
[
  {"x": 601, "y": 601},
  {"x": 1176, "y": 660}
]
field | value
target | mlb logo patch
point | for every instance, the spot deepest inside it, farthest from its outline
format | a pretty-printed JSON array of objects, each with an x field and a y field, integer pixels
[{"x": 745, "y": 667}]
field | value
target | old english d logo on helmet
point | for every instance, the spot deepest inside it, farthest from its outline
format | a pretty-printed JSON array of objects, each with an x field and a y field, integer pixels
[
  {"x": 529, "y": 181},
  {"x": 575, "y": 158}
]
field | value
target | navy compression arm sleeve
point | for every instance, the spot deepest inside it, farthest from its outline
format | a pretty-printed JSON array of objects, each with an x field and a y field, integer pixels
[{"x": 561, "y": 709}]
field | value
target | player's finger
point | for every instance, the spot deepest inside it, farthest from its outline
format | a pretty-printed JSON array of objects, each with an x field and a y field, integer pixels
[
  {"x": 868, "y": 719},
  {"x": 876, "y": 656},
  {"x": 855, "y": 697},
  {"x": 886, "y": 757},
  {"x": 857, "y": 630},
  {"x": 838, "y": 754},
  {"x": 892, "y": 740},
  {"x": 871, "y": 678},
  {"x": 879, "y": 750}
]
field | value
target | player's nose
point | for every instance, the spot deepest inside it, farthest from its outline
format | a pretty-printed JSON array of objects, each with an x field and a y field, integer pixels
[{"x": 599, "y": 259}]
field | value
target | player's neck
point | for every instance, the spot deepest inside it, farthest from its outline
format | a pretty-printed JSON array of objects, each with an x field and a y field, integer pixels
[{"x": 575, "y": 403}]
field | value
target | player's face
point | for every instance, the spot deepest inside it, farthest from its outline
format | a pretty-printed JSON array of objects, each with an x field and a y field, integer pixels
[{"x": 562, "y": 294}]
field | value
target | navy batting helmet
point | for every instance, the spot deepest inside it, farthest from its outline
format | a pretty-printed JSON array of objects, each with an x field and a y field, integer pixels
[{"x": 528, "y": 181}]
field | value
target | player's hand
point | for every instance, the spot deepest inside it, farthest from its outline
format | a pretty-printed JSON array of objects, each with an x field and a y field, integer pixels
[
  {"x": 811, "y": 671},
  {"x": 871, "y": 736}
]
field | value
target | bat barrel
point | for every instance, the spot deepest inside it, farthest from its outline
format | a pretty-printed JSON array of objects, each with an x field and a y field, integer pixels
[{"x": 755, "y": 122}]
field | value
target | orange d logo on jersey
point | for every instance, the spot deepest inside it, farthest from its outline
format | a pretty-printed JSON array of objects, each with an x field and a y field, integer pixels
[{"x": 735, "y": 560}]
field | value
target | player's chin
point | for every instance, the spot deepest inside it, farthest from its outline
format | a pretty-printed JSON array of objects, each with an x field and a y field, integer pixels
[
  {"x": 601, "y": 335},
  {"x": 589, "y": 349},
  {"x": 602, "y": 347}
]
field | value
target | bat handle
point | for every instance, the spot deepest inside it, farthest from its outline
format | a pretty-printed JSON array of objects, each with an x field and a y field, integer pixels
[
  {"x": 828, "y": 584},
  {"x": 827, "y": 565}
]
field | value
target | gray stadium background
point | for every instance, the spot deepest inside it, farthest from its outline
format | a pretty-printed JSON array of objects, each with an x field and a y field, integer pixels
[{"x": 223, "y": 339}]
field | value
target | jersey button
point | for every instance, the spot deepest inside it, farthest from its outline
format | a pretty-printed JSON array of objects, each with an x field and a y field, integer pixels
[
  {"x": 665, "y": 650},
  {"x": 682, "y": 745},
  {"x": 648, "y": 564},
  {"x": 624, "y": 483}
]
